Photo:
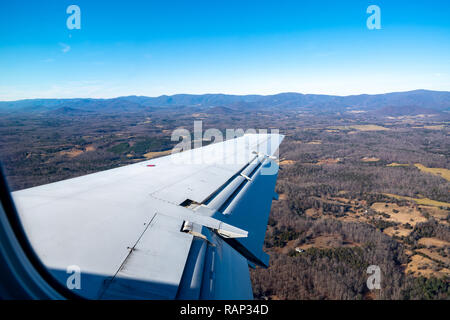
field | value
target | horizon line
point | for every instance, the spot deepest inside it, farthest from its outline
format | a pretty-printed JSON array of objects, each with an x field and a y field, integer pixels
[{"x": 228, "y": 94}]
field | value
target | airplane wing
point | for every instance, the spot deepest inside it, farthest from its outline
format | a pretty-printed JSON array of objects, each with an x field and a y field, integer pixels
[{"x": 183, "y": 226}]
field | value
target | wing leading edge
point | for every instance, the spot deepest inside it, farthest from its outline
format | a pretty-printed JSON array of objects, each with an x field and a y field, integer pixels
[{"x": 184, "y": 229}]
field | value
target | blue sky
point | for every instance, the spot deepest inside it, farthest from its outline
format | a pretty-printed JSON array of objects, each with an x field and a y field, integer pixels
[{"x": 151, "y": 48}]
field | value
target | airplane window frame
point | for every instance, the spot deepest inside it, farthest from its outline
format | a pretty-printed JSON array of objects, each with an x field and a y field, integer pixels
[{"x": 28, "y": 253}]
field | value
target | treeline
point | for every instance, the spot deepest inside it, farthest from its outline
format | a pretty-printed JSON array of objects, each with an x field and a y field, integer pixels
[{"x": 360, "y": 181}]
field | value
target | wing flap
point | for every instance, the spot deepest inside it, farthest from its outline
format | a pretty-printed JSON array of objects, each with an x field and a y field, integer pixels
[{"x": 154, "y": 266}]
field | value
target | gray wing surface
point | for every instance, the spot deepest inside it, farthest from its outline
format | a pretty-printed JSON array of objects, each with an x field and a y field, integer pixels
[{"x": 183, "y": 226}]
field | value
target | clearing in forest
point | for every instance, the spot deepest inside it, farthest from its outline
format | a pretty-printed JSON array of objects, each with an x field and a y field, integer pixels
[
  {"x": 441, "y": 172},
  {"x": 151, "y": 155},
  {"x": 403, "y": 215},
  {"x": 370, "y": 159},
  {"x": 287, "y": 162},
  {"x": 424, "y": 201},
  {"x": 395, "y": 164},
  {"x": 422, "y": 266},
  {"x": 362, "y": 127},
  {"x": 328, "y": 161}
]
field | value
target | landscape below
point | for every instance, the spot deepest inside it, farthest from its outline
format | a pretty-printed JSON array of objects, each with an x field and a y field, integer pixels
[{"x": 365, "y": 180}]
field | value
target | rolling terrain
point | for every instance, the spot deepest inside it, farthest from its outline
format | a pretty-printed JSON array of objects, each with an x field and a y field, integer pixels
[{"x": 364, "y": 179}]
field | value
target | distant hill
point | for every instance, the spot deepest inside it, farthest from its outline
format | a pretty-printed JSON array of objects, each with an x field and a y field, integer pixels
[
  {"x": 222, "y": 110},
  {"x": 418, "y": 99},
  {"x": 68, "y": 111},
  {"x": 407, "y": 111}
]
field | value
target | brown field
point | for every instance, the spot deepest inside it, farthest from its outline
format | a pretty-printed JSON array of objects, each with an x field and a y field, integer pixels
[
  {"x": 71, "y": 153},
  {"x": 328, "y": 161},
  {"x": 424, "y": 201},
  {"x": 395, "y": 164},
  {"x": 328, "y": 241},
  {"x": 434, "y": 242},
  {"x": 370, "y": 159},
  {"x": 287, "y": 162},
  {"x": 434, "y": 256},
  {"x": 444, "y": 173},
  {"x": 312, "y": 213},
  {"x": 363, "y": 127},
  {"x": 437, "y": 213},
  {"x": 369, "y": 127},
  {"x": 400, "y": 232},
  {"x": 151, "y": 155},
  {"x": 404, "y": 215},
  {"x": 422, "y": 266},
  {"x": 437, "y": 127},
  {"x": 282, "y": 196}
]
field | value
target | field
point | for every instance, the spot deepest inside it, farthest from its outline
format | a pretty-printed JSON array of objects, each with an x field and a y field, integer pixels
[
  {"x": 366, "y": 127},
  {"x": 444, "y": 173},
  {"x": 424, "y": 201}
]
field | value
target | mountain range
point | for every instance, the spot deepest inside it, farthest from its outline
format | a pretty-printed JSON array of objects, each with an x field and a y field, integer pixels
[{"x": 410, "y": 102}]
